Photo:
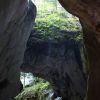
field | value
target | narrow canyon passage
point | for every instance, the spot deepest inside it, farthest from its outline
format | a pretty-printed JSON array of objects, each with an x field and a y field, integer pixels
[{"x": 16, "y": 22}]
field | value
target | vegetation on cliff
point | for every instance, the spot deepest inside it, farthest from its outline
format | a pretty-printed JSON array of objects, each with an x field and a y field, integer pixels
[
  {"x": 34, "y": 91},
  {"x": 53, "y": 26}
]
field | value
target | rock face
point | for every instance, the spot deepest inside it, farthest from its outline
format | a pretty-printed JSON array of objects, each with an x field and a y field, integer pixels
[
  {"x": 88, "y": 12},
  {"x": 16, "y": 19},
  {"x": 60, "y": 64},
  {"x": 14, "y": 30}
]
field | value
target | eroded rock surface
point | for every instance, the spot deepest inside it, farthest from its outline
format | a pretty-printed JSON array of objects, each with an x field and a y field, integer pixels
[
  {"x": 16, "y": 19},
  {"x": 60, "y": 64},
  {"x": 88, "y": 12},
  {"x": 13, "y": 37}
]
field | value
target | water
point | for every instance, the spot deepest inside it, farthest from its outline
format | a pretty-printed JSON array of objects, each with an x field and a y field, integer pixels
[
  {"x": 50, "y": 95},
  {"x": 58, "y": 98},
  {"x": 26, "y": 78}
]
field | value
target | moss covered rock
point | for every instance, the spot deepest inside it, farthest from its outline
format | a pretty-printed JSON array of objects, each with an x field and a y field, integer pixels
[{"x": 34, "y": 92}]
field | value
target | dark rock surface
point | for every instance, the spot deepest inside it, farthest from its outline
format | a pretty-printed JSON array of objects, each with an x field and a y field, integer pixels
[
  {"x": 16, "y": 20},
  {"x": 13, "y": 36},
  {"x": 60, "y": 64},
  {"x": 88, "y": 12}
]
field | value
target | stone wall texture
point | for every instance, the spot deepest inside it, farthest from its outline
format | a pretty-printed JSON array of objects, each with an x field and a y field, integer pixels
[{"x": 16, "y": 20}]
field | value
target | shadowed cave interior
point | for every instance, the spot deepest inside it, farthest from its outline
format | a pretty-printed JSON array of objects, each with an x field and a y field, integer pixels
[
  {"x": 18, "y": 20},
  {"x": 51, "y": 44}
]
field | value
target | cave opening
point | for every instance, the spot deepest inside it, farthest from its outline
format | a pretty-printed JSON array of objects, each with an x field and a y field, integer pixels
[
  {"x": 51, "y": 54},
  {"x": 55, "y": 45}
]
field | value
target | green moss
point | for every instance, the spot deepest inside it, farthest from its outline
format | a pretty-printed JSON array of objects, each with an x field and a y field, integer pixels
[
  {"x": 53, "y": 26},
  {"x": 35, "y": 91}
]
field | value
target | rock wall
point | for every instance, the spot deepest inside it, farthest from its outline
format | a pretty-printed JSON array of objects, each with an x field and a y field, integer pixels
[
  {"x": 15, "y": 25},
  {"x": 16, "y": 20},
  {"x": 88, "y": 12},
  {"x": 60, "y": 64}
]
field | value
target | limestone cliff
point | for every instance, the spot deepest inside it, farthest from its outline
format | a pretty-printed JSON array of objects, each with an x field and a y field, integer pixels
[
  {"x": 15, "y": 25},
  {"x": 88, "y": 12},
  {"x": 16, "y": 19}
]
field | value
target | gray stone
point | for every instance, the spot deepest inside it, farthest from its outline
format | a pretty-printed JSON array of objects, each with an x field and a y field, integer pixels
[{"x": 16, "y": 20}]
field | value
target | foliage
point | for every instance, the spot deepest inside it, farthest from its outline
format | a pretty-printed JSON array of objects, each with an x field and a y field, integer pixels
[
  {"x": 54, "y": 27},
  {"x": 50, "y": 25},
  {"x": 54, "y": 23},
  {"x": 35, "y": 91}
]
